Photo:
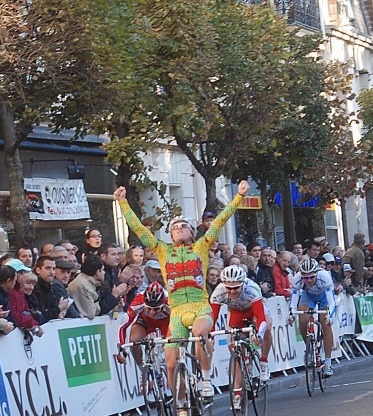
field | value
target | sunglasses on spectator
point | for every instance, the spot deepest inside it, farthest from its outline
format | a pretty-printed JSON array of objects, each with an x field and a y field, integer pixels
[
  {"x": 233, "y": 287},
  {"x": 180, "y": 225},
  {"x": 308, "y": 277}
]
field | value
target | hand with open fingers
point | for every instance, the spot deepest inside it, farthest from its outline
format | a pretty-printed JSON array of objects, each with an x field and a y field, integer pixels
[
  {"x": 120, "y": 193},
  {"x": 243, "y": 187}
]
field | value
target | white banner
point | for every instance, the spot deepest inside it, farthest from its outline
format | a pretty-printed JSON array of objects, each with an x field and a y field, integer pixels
[
  {"x": 72, "y": 369},
  {"x": 56, "y": 199}
]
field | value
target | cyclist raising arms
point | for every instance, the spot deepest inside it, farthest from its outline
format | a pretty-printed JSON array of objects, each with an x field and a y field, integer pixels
[
  {"x": 184, "y": 265},
  {"x": 314, "y": 287},
  {"x": 148, "y": 311},
  {"x": 244, "y": 300}
]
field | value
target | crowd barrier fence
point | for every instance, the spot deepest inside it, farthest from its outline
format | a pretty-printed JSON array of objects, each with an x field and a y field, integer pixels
[{"x": 72, "y": 369}]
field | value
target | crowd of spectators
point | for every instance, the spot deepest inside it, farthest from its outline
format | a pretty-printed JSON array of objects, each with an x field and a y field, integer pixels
[{"x": 100, "y": 278}]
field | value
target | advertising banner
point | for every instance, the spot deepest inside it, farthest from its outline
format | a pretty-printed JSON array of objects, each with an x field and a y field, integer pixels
[{"x": 56, "y": 199}]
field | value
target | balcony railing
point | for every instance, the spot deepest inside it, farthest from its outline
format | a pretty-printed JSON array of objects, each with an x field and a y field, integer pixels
[{"x": 303, "y": 13}]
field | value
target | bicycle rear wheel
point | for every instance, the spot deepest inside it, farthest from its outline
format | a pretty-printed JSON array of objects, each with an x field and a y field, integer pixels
[
  {"x": 310, "y": 366},
  {"x": 259, "y": 388},
  {"x": 237, "y": 377}
]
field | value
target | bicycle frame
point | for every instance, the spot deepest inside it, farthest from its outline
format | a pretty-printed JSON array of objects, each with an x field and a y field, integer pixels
[
  {"x": 314, "y": 344},
  {"x": 244, "y": 369}
]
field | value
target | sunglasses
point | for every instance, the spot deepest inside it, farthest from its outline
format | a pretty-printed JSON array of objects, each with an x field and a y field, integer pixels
[
  {"x": 95, "y": 236},
  {"x": 233, "y": 287},
  {"x": 309, "y": 277},
  {"x": 180, "y": 225},
  {"x": 154, "y": 309}
]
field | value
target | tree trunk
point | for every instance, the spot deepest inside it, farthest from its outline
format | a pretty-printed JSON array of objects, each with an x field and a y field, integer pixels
[
  {"x": 288, "y": 215},
  {"x": 344, "y": 224},
  {"x": 211, "y": 201},
  {"x": 267, "y": 229},
  {"x": 18, "y": 205}
]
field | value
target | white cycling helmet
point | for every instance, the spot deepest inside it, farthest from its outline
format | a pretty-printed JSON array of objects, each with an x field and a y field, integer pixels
[
  {"x": 233, "y": 274},
  {"x": 189, "y": 221},
  {"x": 308, "y": 266}
]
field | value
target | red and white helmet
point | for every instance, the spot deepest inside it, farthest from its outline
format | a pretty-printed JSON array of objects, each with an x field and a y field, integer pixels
[{"x": 154, "y": 295}]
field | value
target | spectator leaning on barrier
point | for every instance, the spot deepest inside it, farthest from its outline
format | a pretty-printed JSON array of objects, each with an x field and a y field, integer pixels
[
  {"x": 7, "y": 281},
  {"x": 280, "y": 274},
  {"x": 354, "y": 256},
  {"x": 50, "y": 307},
  {"x": 83, "y": 289},
  {"x": 347, "y": 284}
]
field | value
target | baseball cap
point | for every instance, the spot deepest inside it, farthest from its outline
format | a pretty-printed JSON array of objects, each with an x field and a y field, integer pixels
[
  {"x": 17, "y": 265},
  {"x": 328, "y": 257},
  {"x": 64, "y": 264},
  {"x": 154, "y": 264},
  {"x": 207, "y": 214},
  {"x": 347, "y": 268},
  {"x": 338, "y": 259}
]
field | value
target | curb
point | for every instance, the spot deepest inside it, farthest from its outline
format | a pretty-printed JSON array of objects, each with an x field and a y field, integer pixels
[{"x": 296, "y": 380}]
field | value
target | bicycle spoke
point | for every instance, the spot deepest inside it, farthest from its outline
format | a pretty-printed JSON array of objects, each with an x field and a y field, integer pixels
[{"x": 238, "y": 386}]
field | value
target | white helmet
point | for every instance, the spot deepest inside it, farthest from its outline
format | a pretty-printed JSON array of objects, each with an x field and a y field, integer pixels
[
  {"x": 189, "y": 221},
  {"x": 233, "y": 274},
  {"x": 308, "y": 266}
]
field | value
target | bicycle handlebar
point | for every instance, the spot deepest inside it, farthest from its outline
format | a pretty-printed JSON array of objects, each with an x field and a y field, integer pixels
[
  {"x": 310, "y": 312},
  {"x": 154, "y": 341}
]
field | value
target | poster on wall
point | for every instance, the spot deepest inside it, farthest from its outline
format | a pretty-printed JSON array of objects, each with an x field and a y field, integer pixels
[{"x": 56, "y": 199}]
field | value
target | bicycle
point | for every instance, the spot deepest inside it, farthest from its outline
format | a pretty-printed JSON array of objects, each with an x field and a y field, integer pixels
[
  {"x": 244, "y": 367},
  {"x": 314, "y": 344},
  {"x": 153, "y": 376}
]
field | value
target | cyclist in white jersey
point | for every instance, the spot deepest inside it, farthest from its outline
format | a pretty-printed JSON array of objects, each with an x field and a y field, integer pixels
[
  {"x": 244, "y": 300},
  {"x": 313, "y": 286}
]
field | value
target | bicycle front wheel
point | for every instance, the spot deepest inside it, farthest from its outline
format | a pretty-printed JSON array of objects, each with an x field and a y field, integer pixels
[
  {"x": 320, "y": 370},
  {"x": 310, "y": 366},
  {"x": 182, "y": 389},
  {"x": 259, "y": 388},
  {"x": 149, "y": 388},
  {"x": 238, "y": 386}
]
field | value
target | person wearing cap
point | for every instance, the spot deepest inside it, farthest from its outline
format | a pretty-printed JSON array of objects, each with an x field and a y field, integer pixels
[
  {"x": 184, "y": 265},
  {"x": 62, "y": 275},
  {"x": 348, "y": 273},
  {"x": 329, "y": 260},
  {"x": 152, "y": 273},
  {"x": 354, "y": 256},
  {"x": 207, "y": 219}
]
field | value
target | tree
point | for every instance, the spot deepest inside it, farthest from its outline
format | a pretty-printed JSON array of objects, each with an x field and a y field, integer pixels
[{"x": 43, "y": 58}]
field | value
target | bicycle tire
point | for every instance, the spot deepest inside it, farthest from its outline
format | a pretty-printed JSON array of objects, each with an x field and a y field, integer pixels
[
  {"x": 236, "y": 371},
  {"x": 149, "y": 388},
  {"x": 259, "y": 388},
  {"x": 320, "y": 373},
  {"x": 182, "y": 388},
  {"x": 310, "y": 366}
]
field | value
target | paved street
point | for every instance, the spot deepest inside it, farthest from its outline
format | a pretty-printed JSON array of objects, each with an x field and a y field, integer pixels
[{"x": 349, "y": 393}]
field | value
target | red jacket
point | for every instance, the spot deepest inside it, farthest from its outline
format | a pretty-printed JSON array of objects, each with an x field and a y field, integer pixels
[
  {"x": 281, "y": 281},
  {"x": 20, "y": 310}
]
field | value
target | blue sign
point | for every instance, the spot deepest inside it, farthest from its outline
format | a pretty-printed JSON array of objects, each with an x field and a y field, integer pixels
[
  {"x": 4, "y": 405},
  {"x": 297, "y": 197}
]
